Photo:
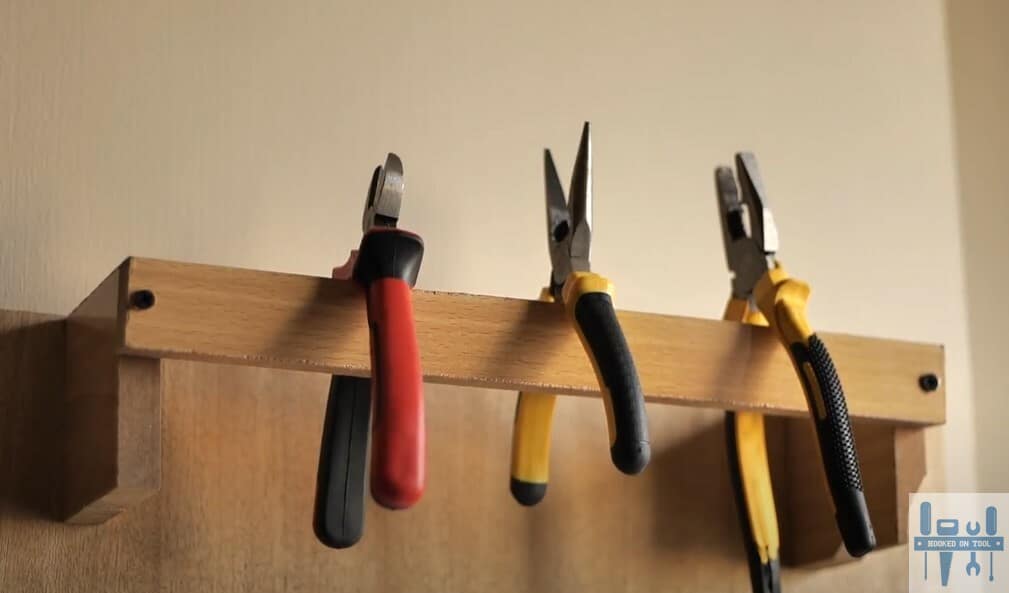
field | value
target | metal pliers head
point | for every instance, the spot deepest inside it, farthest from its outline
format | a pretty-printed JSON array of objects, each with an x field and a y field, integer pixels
[
  {"x": 385, "y": 195},
  {"x": 569, "y": 221},
  {"x": 748, "y": 229}
]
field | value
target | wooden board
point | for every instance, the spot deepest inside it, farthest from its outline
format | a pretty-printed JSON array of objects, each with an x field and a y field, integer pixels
[
  {"x": 112, "y": 412},
  {"x": 234, "y": 511},
  {"x": 210, "y": 313}
]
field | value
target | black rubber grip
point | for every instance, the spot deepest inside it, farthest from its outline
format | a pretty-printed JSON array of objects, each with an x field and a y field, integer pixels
[
  {"x": 388, "y": 252},
  {"x": 528, "y": 493},
  {"x": 339, "y": 490},
  {"x": 764, "y": 578},
  {"x": 837, "y": 448},
  {"x": 597, "y": 320}
]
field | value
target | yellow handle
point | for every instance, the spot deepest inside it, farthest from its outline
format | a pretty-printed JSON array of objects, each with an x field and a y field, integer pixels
[
  {"x": 530, "y": 463},
  {"x": 782, "y": 300},
  {"x": 752, "y": 463},
  {"x": 534, "y": 416}
]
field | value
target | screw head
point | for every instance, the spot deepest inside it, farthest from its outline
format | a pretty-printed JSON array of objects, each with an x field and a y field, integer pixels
[
  {"x": 928, "y": 382},
  {"x": 142, "y": 299}
]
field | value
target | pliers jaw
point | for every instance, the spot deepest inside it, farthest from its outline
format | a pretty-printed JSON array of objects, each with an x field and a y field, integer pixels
[
  {"x": 385, "y": 195},
  {"x": 569, "y": 220},
  {"x": 748, "y": 230}
]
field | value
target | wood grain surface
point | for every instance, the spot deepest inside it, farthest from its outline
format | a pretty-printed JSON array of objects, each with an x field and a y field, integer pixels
[
  {"x": 218, "y": 314},
  {"x": 112, "y": 412},
  {"x": 234, "y": 511}
]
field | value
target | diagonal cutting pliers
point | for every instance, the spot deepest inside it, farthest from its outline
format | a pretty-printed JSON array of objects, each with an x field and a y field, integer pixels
[
  {"x": 764, "y": 294},
  {"x": 587, "y": 298},
  {"x": 386, "y": 267}
]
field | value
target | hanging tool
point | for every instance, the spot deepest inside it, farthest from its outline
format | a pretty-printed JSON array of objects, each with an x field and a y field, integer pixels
[
  {"x": 386, "y": 265},
  {"x": 925, "y": 526},
  {"x": 750, "y": 475},
  {"x": 759, "y": 283},
  {"x": 973, "y": 567},
  {"x": 990, "y": 529},
  {"x": 945, "y": 564},
  {"x": 587, "y": 298},
  {"x": 946, "y": 528}
]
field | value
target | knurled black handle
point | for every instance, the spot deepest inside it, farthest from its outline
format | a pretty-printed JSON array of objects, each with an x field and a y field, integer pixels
[
  {"x": 629, "y": 448},
  {"x": 339, "y": 491},
  {"x": 837, "y": 445}
]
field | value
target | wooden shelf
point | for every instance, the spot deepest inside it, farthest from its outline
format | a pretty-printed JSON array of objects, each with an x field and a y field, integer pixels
[
  {"x": 148, "y": 310},
  {"x": 266, "y": 319}
]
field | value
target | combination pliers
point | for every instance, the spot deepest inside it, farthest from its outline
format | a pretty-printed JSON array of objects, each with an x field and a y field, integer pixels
[
  {"x": 587, "y": 298},
  {"x": 763, "y": 294}
]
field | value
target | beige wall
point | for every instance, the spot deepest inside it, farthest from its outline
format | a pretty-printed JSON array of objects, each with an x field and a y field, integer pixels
[
  {"x": 980, "y": 60},
  {"x": 243, "y": 133}
]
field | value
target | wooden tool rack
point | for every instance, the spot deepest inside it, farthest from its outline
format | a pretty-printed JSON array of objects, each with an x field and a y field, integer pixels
[{"x": 148, "y": 310}]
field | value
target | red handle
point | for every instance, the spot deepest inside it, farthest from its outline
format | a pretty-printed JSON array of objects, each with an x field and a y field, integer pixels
[{"x": 397, "y": 460}]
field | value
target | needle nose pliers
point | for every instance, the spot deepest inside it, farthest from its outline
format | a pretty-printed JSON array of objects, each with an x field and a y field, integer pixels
[
  {"x": 587, "y": 298},
  {"x": 387, "y": 264},
  {"x": 764, "y": 294}
]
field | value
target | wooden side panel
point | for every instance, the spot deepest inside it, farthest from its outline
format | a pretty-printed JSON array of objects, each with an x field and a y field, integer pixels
[
  {"x": 234, "y": 511},
  {"x": 893, "y": 465},
  {"x": 265, "y": 319},
  {"x": 112, "y": 412}
]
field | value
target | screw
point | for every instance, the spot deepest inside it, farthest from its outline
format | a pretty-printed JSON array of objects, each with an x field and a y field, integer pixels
[
  {"x": 928, "y": 382},
  {"x": 142, "y": 299}
]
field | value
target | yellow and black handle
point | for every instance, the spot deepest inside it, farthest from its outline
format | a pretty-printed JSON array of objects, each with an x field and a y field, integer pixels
[
  {"x": 750, "y": 475},
  {"x": 534, "y": 418},
  {"x": 530, "y": 471},
  {"x": 589, "y": 302},
  {"x": 782, "y": 300}
]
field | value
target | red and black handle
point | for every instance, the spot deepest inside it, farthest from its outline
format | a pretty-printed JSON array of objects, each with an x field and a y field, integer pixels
[{"x": 388, "y": 262}]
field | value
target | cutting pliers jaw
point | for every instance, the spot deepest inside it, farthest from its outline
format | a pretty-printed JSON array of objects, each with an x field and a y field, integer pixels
[
  {"x": 748, "y": 230},
  {"x": 385, "y": 195}
]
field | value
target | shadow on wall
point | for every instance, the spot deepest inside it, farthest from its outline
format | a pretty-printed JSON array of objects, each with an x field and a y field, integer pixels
[
  {"x": 31, "y": 388},
  {"x": 689, "y": 519}
]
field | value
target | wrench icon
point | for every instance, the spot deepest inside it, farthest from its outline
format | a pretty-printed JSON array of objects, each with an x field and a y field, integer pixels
[{"x": 973, "y": 566}]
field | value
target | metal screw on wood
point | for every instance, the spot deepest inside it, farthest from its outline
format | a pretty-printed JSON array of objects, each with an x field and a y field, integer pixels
[
  {"x": 928, "y": 382},
  {"x": 142, "y": 299}
]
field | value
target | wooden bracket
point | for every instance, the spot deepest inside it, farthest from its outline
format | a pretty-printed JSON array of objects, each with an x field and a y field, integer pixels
[
  {"x": 148, "y": 310},
  {"x": 893, "y": 466}
]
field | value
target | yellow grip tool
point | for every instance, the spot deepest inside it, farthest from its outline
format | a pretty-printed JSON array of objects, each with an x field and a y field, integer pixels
[
  {"x": 534, "y": 418},
  {"x": 588, "y": 301},
  {"x": 782, "y": 300},
  {"x": 751, "y": 479}
]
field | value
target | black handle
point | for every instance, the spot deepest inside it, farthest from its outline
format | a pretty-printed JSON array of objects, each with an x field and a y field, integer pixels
[
  {"x": 618, "y": 377},
  {"x": 339, "y": 491},
  {"x": 837, "y": 445}
]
